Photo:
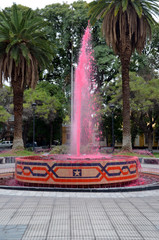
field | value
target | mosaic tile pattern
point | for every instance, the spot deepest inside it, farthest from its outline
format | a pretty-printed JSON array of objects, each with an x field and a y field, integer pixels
[{"x": 101, "y": 170}]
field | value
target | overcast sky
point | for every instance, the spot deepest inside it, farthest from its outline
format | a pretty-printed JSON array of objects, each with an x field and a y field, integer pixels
[
  {"x": 33, "y": 3},
  {"x": 37, "y": 3}
]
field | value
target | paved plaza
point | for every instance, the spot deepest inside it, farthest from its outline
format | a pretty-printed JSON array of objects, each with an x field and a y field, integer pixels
[
  {"x": 57, "y": 215},
  {"x": 37, "y": 215}
]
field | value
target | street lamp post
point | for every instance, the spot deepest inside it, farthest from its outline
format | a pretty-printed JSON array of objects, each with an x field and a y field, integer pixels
[
  {"x": 34, "y": 107},
  {"x": 112, "y": 106}
]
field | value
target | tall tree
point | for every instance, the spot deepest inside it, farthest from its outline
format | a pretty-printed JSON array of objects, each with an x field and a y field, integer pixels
[
  {"x": 24, "y": 48},
  {"x": 126, "y": 24},
  {"x": 50, "y": 105},
  {"x": 144, "y": 104}
]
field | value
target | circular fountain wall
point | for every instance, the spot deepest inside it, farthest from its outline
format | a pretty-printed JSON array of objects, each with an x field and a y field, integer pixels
[{"x": 72, "y": 170}]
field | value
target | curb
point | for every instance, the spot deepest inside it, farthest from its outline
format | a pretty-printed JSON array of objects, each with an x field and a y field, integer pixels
[
  {"x": 120, "y": 189},
  {"x": 149, "y": 160}
]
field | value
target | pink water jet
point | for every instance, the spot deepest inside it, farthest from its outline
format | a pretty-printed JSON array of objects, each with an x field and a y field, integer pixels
[{"x": 82, "y": 126}]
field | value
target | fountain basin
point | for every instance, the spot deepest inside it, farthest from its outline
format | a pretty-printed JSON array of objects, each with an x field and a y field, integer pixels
[{"x": 73, "y": 170}]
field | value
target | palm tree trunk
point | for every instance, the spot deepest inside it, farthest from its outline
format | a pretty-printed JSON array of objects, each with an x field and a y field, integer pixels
[
  {"x": 18, "y": 111},
  {"x": 125, "y": 62}
]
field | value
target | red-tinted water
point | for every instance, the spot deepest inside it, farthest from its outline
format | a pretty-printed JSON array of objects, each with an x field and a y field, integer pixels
[
  {"x": 81, "y": 129},
  {"x": 143, "y": 180}
]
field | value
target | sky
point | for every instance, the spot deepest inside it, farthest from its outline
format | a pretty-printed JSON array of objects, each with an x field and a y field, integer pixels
[{"x": 33, "y": 3}]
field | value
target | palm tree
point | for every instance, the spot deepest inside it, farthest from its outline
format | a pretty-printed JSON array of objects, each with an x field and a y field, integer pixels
[
  {"x": 24, "y": 49},
  {"x": 126, "y": 25}
]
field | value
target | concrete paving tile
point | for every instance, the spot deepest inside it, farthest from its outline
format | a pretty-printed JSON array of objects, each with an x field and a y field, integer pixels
[
  {"x": 107, "y": 226},
  {"x": 60, "y": 233},
  {"x": 127, "y": 233},
  {"x": 61, "y": 216},
  {"x": 150, "y": 238},
  {"x": 40, "y": 220},
  {"x": 149, "y": 227},
  {"x": 24, "y": 212},
  {"x": 79, "y": 233},
  {"x": 19, "y": 220},
  {"x": 4, "y": 237},
  {"x": 34, "y": 238},
  {"x": 57, "y": 230},
  {"x": 36, "y": 230},
  {"x": 137, "y": 221},
  {"x": 12, "y": 205},
  {"x": 12, "y": 232},
  {"x": 151, "y": 234},
  {"x": 115, "y": 213},
  {"x": 7, "y": 212},
  {"x": 107, "y": 238},
  {"x": 115, "y": 221},
  {"x": 4, "y": 221},
  {"x": 1, "y": 227},
  {"x": 82, "y": 238},
  {"x": 80, "y": 216},
  {"x": 123, "y": 227},
  {"x": 131, "y": 238},
  {"x": 156, "y": 223},
  {"x": 4, "y": 199},
  {"x": 2, "y": 204},
  {"x": 58, "y": 238},
  {"x": 105, "y": 233}
]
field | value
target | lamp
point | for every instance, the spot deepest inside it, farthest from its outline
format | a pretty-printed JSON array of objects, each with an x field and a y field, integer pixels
[
  {"x": 112, "y": 106},
  {"x": 33, "y": 107}
]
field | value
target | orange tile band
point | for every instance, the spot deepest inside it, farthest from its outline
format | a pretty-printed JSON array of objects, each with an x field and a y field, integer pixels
[{"x": 73, "y": 171}]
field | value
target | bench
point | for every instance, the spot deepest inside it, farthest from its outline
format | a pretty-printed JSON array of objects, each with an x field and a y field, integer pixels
[{"x": 2, "y": 160}]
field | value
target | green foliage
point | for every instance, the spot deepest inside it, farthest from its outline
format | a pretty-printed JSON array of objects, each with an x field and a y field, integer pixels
[
  {"x": 47, "y": 106},
  {"x": 147, "y": 64},
  {"x": 65, "y": 29},
  {"x": 4, "y": 115},
  {"x": 5, "y": 100},
  {"x": 144, "y": 94},
  {"x": 144, "y": 102},
  {"x": 107, "y": 63}
]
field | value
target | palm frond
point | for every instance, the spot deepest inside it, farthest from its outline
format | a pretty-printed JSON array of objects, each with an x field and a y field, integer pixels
[
  {"x": 124, "y": 5},
  {"x": 24, "y": 46},
  {"x": 122, "y": 18}
]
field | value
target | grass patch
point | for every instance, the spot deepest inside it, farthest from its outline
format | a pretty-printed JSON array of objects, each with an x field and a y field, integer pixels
[
  {"x": 17, "y": 153},
  {"x": 156, "y": 155}
]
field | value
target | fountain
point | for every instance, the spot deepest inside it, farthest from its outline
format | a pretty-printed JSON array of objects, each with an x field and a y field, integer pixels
[{"x": 78, "y": 169}]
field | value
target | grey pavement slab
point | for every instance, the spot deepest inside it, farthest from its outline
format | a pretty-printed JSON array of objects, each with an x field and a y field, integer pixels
[
  {"x": 79, "y": 216},
  {"x": 32, "y": 215}
]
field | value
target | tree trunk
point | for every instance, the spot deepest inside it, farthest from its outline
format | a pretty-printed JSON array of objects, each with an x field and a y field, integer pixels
[
  {"x": 18, "y": 111},
  {"x": 125, "y": 62},
  {"x": 51, "y": 134},
  {"x": 150, "y": 139},
  {"x": 25, "y": 131}
]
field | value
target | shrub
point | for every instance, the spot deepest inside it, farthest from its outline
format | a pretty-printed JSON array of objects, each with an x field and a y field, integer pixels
[{"x": 62, "y": 149}]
